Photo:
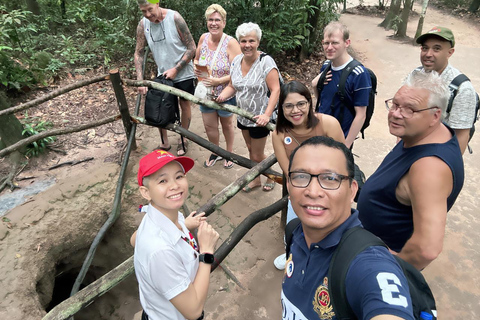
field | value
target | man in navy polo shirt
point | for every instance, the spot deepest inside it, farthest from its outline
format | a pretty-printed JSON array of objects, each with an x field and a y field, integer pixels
[{"x": 322, "y": 189}]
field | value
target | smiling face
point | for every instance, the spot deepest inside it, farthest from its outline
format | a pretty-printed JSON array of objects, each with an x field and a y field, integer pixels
[
  {"x": 152, "y": 12},
  {"x": 434, "y": 54},
  {"x": 215, "y": 23},
  {"x": 298, "y": 115},
  {"x": 167, "y": 188},
  {"x": 321, "y": 211},
  {"x": 249, "y": 44}
]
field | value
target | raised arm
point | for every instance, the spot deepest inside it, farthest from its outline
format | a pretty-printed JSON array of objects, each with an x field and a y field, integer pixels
[
  {"x": 273, "y": 84},
  {"x": 426, "y": 188},
  {"x": 139, "y": 55},
  {"x": 191, "y": 301}
]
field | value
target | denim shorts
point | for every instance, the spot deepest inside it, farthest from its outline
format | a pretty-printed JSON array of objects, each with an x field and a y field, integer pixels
[{"x": 221, "y": 113}]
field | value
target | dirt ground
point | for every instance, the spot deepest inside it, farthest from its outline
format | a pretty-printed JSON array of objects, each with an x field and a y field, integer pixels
[{"x": 47, "y": 237}]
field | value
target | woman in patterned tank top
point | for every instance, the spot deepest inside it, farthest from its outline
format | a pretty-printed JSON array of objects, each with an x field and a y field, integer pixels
[{"x": 219, "y": 78}]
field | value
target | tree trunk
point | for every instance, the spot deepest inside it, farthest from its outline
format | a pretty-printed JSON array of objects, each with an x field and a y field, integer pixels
[
  {"x": 420, "y": 21},
  {"x": 402, "y": 28},
  {"x": 391, "y": 14},
  {"x": 10, "y": 127},
  {"x": 474, "y": 6},
  {"x": 33, "y": 6}
]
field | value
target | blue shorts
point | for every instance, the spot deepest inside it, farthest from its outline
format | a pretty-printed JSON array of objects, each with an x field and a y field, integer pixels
[{"x": 221, "y": 113}]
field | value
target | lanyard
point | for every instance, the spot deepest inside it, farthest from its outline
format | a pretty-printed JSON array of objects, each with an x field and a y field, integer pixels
[{"x": 191, "y": 241}]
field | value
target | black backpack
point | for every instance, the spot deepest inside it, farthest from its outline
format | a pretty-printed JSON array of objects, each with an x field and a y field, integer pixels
[
  {"x": 161, "y": 108},
  {"x": 454, "y": 85},
  {"x": 354, "y": 241},
  {"x": 341, "y": 92}
]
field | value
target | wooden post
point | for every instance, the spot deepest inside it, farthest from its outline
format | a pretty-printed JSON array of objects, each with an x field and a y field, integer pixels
[{"x": 122, "y": 102}]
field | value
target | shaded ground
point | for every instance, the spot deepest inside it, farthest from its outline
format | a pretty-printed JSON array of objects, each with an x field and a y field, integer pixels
[{"x": 48, "y": 236}]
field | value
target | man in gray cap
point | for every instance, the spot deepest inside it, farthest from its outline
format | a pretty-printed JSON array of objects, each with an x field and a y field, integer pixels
[{"x": 438, "y": 45}]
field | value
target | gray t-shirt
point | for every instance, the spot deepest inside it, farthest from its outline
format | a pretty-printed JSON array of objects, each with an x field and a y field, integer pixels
[
  {"x": 166, "y": 46},
  {"x": 462, "y": 114},
  {"x": 252, "y": 89}
]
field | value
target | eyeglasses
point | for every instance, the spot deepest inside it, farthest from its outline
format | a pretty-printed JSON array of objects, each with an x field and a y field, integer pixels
[
  {"x": 161, "y": 36},
  {"x": 301, "y": 105},
  {"x": 328, "y": 181},
  {"x": 406, "y": 112}
]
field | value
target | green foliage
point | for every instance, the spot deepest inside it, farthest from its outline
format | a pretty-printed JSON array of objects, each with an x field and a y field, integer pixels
[
  {"x": 33, "y": 126},
  {"x": 456, "y": 3}
]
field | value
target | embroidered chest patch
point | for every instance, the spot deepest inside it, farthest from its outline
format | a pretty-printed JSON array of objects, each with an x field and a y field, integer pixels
[{"x": 321, "y": 301}]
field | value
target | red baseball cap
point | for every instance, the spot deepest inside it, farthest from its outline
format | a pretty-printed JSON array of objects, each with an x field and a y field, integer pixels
[{"x": 155, "y": 160}]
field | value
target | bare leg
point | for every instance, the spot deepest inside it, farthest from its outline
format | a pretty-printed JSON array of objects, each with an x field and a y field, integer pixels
[
  {"x": 257, "y": 154},
  {"x": 165, "y": 144},
  {"x": 210, "y": 122},
  {"x": 229, "y": 133},
  {"x": 248, "y": 141}
]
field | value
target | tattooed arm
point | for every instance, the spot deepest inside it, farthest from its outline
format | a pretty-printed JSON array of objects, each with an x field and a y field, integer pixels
[
  {"x": 139, "y": 55},
  {"x": 187, "y": 40}
]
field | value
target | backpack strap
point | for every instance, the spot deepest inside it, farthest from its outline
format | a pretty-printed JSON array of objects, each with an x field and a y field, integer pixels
[
  {"x": 341, "y": 87},
  {"x": 289, "y": 228},
  {"x": 321, "y": 82},
  {"x": 354, "y": 241},
  {"x": 454, "y": 85}
]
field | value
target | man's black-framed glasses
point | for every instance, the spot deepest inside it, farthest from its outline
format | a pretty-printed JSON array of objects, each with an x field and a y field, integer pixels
[
  {"x": 328, "y": 180},
  {"x": 406, "y": 112},
  {"x": 159, "y": 33}
]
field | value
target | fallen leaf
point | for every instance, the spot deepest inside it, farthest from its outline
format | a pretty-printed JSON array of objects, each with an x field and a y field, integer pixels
[
  {"x": 18, "y": 255},
  {"x": 5, "y": 219},
  {"x": 9, "y": 225}
]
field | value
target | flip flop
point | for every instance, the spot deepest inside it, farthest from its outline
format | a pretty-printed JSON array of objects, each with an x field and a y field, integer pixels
[
  {"x": 267, "y": 187},
  {"x": 164, "y": 148},
  {"x": 213, "y": 159},
  {"x": 181, "y": 149},
  {"x": 228, "y": 164},
  {"x": 248, "y": 189}
]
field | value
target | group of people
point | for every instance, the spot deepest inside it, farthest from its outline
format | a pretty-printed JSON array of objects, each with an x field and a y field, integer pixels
[{"x": 405, "y": 202}]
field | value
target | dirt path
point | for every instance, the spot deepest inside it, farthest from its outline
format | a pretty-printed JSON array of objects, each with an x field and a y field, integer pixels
[
  {"x": 453, "y": 276},
  {"x": 48, "y": 236}
]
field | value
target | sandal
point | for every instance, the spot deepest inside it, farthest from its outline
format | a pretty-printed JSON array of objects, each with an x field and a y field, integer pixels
[
  {"x": 248, "y": 189},
  {"x": 212, "y": 160},
  {"x": 228, "y": 164},
  {"x": 180, "y": 148},
  {"x": 164, "y": 148},
  {"x": 267, "y": 187}
]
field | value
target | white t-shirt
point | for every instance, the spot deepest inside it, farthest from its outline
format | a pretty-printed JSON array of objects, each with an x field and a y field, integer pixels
[{"x": 165, "y": 264}]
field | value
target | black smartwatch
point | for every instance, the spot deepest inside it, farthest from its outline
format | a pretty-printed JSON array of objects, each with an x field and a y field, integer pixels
[{"x": 206, "y": 258}]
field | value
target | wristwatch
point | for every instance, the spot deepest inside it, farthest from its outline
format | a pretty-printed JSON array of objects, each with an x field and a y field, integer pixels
[{"x": 207, "y": 258}]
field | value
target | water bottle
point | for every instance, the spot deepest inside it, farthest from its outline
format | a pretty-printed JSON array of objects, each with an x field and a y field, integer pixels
[{"x": 425, "y": 316}]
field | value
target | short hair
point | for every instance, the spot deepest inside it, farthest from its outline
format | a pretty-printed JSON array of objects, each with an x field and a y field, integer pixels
[
  {"x": 337, "y": 26},
  {"x": 436, "y": 86},
  {"x": 331, "y": 143},
  {"x": 245, "y": 28},
  {"x": 294, "y": 87},
  {"x": 216, "y": 8},
  {"x": 143, "y": 2}
]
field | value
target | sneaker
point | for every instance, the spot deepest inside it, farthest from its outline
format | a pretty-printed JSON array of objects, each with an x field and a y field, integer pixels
[{"x": 280, "y": 261}]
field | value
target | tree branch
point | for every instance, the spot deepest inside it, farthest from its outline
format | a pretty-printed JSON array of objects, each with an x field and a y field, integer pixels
[
  {"x": 54, "y": 94},
  {"x": 56, "y": 132}
]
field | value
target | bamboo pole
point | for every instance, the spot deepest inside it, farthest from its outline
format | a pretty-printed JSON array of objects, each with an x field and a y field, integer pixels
[
  {"x": 232, "y": 189},
  {"x": 57, "y": 132},
  {"x": 187, "y": 96},
  {"x": 54, "y": 94}
]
